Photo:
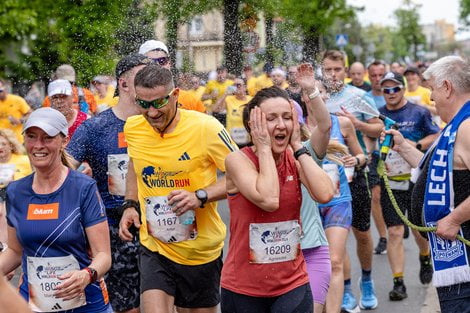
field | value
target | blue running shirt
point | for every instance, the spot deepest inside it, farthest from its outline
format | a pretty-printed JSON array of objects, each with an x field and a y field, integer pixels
[
  {"x": 100, "y": 141},
  {"x": 53, "y": 225}
]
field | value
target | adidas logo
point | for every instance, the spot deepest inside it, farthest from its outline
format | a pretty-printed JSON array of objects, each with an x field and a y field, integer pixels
[
  {"x": 56, "y": 307},
  {"x": 184, "y": 157}
]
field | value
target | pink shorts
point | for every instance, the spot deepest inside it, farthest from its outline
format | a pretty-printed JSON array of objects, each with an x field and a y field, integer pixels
[{"x": 319, "y": 271}]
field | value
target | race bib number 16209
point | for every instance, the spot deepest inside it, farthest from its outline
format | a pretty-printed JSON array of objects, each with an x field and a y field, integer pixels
[{"x": 274, "y": 242}]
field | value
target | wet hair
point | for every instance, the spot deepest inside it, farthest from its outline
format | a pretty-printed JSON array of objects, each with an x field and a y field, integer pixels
[
  {"x": 154, "y": 75},
  {"x": 16, "y": 146},
  {"x": 334, "y": 55},
  {"x": 261, "y": 96}
]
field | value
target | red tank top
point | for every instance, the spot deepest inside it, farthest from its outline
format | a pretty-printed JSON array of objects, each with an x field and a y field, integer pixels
[
  {"x": 81, "y": 117},
  {"x": 270, "y": 279}
]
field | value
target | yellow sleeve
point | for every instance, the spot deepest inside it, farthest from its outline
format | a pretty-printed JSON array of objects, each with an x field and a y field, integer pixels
[
  {"x": 218, "y": 142},
  {"x": 427, "y": 97},
  {"x": 23, "y": 106}
]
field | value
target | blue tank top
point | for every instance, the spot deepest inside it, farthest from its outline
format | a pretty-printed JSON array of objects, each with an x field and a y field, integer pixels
[{"x": 334, "y": 169}]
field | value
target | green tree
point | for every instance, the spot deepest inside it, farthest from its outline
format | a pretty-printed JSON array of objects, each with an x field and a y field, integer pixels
[
  {"x": 232, "y": 37},
  {"x": 313, "y": 18},
  {"x": 465, "y": 11},
  {"x": 136, "y": 27},
  {"x": 408, "y": 26}
]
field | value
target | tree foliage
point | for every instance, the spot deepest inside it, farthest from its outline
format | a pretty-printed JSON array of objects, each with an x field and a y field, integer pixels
[
  {"x": 465, "y": 11},
  {"x": 408, "y": 26}
]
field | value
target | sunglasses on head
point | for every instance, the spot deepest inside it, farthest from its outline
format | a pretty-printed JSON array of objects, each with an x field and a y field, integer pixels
[
  {"x": 162, "y": 61},
  {"x": 157, "y": 103},
  {"x": 392, "y": 90}
]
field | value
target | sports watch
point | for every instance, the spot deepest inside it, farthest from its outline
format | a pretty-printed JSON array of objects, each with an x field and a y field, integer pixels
[{"x": 201, "y": 194}]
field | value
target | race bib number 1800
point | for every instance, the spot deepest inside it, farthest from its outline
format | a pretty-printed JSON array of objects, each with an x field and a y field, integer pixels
[
  {"x": 274, "y": 242},
  {"x": 43, "y": 280}
]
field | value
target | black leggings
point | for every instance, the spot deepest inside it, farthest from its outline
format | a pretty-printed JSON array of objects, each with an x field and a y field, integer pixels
[{"x": 298, "y": 300}]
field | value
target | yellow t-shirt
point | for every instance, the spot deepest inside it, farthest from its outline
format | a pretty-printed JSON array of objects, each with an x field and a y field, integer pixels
[
  {"x": 18, "y": 167},
  {"x": 220, "y": 87},
  {"x": 251, "y": 86},
  {"x": 108, "y": 99},
  {"x": 16, "y": 107},
  {"x": 235, "y": 119},
  {"x": 187, "y": 158},
  {"x": 420, "y": 96},
  {"x": 263, "y": 81}
]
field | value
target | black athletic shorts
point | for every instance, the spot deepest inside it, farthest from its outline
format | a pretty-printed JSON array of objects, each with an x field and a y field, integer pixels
[
  {"x": 403, "y": 198},
  {"x": 298, "y": 300},
  {"x": 123, "y": 279},
  {"x": 360, "y": 202},
  {"x": 372, "y": 175},
  {"x": 192, "y": 286}
]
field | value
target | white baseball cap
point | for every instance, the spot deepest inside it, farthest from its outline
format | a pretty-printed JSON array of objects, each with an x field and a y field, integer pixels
[
  {"x": 150, "y": 45},
  {"x": 59, "y": 87},
  {"x": 49, "y": 120}
]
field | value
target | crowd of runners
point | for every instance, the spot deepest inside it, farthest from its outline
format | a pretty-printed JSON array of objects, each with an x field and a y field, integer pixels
[{"x": 109, "y": 193}]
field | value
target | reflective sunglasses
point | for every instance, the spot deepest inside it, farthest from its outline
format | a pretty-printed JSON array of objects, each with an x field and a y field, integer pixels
[
  {"x": 162, "y": 61},
  {"x": 157, "y": 103},
  {"x": 392, "y": 90}
]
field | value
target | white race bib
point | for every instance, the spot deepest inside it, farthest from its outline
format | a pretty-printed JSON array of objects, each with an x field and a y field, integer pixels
[
  {"x": 396, "y": 165},
  {"x": 7, "y": 174},
  {"x": 399, "y": 184},
  {"x": 43, "y": 280},
  {"x": 117, "y": 173},
  {"x": 239, "y": 135},
  {"x": 333, "y": 172},
  {"x": 163, "y": 224},
  {"x": 274, "y": 242}
]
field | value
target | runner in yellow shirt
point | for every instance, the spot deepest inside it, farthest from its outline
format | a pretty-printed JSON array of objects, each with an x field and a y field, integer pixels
[
  {"x": 13, "y": 111},
  {"x": 233, "y": 103},
  {"x": 174, "y": 156},
  {"x": 216, "y": 88}
]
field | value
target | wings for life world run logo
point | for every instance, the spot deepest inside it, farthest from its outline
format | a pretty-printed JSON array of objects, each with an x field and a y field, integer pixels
[
  {"x": 50, "y": 271},
  {"x": 161, "y": 179}
]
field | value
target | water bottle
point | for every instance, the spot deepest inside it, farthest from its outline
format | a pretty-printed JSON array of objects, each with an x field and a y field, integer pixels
[{"x": 187, "y": 218}]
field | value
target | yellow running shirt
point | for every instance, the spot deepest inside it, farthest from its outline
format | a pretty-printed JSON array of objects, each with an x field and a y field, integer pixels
[
  {"x": 187, "y": 158},
  {"x": 235, "y": 125},
  {"x": 16, "y": 107}
]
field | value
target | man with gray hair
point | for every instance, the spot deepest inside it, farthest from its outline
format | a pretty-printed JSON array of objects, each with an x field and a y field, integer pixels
[{"x": 441, "y": 182}]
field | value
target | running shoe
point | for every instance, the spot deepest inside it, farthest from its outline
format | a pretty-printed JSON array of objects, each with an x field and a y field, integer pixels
[
  {"x": 425, "y": 270},
  {"x": 398, "y": 292},
  {"x": 368, "y": 300},
  {"x": 381, "y": 246},
  {"x": 349, "y": 303}
]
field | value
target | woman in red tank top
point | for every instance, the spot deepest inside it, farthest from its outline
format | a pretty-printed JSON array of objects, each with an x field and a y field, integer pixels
[{"x": 265, "y": 270}]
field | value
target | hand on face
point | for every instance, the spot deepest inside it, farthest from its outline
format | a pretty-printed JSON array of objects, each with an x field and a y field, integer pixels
[{"x": 259, "y": 130}]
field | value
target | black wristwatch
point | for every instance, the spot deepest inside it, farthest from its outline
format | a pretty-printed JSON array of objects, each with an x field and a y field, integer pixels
[
  {"x": 419, "y": 146},
  {"x": 201, "y": 194},
  {"x": 129, "y": 203},
  {"x": 301, "y": 151}
]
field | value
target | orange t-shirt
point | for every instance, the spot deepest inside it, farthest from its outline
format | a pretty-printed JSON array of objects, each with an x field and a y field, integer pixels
[
  {"x": 189, "y": 102},
  {"x": 89, "y": 98}
]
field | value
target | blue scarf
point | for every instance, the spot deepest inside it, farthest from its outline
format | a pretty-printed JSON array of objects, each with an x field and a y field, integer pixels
[{"x": 450, "y": 260}]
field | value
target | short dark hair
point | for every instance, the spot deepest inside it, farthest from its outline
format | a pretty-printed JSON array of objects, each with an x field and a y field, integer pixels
[
  {"x": 334, "y": 55},
  {"x": 261, "y": 96},
  {"x": 376, "y": 63},
  {"x": 153, "y": 75}
]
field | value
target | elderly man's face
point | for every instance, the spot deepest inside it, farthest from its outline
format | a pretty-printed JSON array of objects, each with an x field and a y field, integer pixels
[{"x": 439, "y": 96}]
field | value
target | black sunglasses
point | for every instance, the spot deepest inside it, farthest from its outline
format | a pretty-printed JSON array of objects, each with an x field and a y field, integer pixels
[
  {"x": 162, "y": 61},
  {"x": 157, "y": 103},
  {"x": 391, "y": 90}
]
